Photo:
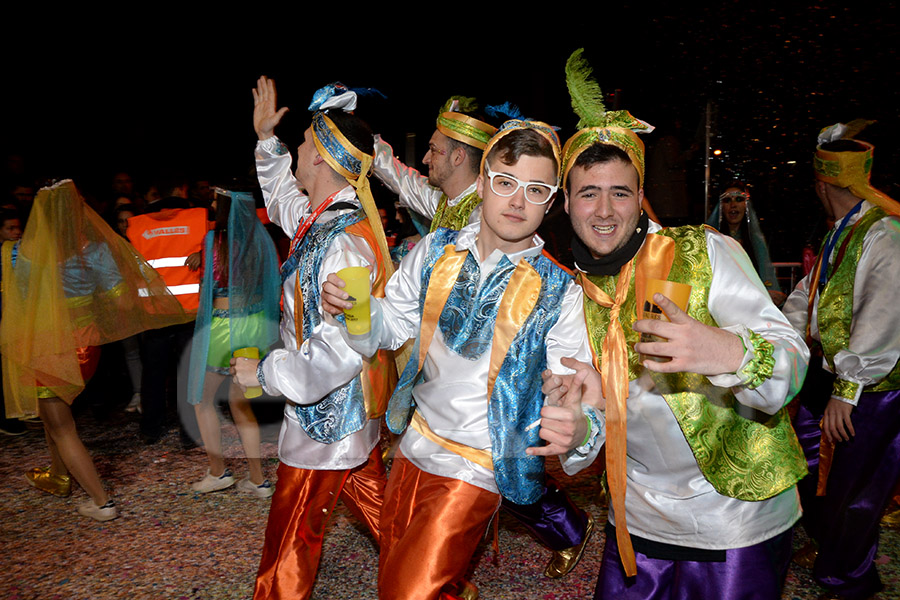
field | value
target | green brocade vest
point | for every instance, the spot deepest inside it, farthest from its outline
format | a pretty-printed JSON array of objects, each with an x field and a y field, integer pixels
[
  {"x": 454, "y": 217},
  {"x": 742, "y": 452},
  {"x": 835, "y": 310}
]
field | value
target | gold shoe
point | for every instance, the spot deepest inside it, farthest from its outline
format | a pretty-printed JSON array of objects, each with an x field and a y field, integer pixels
[
  {"x": 891, "y": 518},
  {"x": 806, "y": 556},
  {"x": 467, "y": 590},
  {"x": 564, "y": 561},
  {"x": 44, "y": 480}
]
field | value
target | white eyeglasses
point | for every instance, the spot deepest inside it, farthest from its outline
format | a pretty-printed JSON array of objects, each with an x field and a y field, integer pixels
[{"x": 536, "y": 192}]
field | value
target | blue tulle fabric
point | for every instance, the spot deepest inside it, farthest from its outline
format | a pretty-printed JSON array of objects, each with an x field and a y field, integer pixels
[{"x": 253, "y": 287}]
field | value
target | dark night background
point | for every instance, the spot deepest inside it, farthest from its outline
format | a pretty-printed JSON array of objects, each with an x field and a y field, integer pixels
[{"x": 153, "y": 99}]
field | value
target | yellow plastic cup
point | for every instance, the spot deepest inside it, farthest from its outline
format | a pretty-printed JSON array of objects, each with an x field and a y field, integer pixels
[
  {"x": 255, "y": 391},
  {"x": 356, "y": 284},
  {"x": 679, "y": 293}
]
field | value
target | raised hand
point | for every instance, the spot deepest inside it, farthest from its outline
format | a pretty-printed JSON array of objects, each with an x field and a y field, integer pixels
[
  {"x": 266, "y": 114},
  {"x": 692, "y": 346}
]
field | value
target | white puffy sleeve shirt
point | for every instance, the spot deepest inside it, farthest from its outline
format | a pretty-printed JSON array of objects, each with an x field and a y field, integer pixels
[
  {"x": 453, "y": 395},
  {"x": 324, "y": 362},
  {"x": 667, "y": 497},
  {"x": 874, "y": 345},
  {"x": 412, "y": 187}
]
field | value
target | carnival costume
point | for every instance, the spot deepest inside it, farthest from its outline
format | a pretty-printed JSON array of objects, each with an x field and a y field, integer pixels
[
  {"x": 701, "y": 470},
  {"x": 413, "y": 188},
  {"x": 328, "y": 444},
  {"x": 756, "y": 243},
  {"x": 485, "y": 328},
  {"x": 554, "y": 520},
  {"x": 69, "y": 285},
  {"x": 853, "y": 317}
]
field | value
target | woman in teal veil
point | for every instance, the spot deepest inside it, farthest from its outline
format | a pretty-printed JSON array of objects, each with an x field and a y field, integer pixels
[
  {"x": 238, "y": 310},
  {"x": 734, "y": 216}
]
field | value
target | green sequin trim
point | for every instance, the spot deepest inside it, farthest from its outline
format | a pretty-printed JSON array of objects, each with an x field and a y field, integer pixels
[
  {"x": 845, "y": 389},
  {"x": 457, "y": 216},
  {"x": 465, "y": 129},
  {"x": 760, "y": 368}
]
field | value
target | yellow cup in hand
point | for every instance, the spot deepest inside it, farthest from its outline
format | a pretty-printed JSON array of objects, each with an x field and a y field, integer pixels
[
  {"x": 679, "y": 293},
  {"x": 255, "y": 391},
  {"x": 356, "y": 284}
]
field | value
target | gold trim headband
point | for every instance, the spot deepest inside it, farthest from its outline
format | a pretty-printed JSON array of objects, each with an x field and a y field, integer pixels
[
  {"x": 462, "y": 127},
  {"x": 539, "y": 127},
  {"x": 850, "y": 169}
]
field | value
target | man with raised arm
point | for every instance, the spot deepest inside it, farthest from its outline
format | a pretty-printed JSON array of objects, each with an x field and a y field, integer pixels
[
  {"x": 847, "y": 307},
  {"x": 447, "y": 196},
  {"x": 701, "y": 459},
  {"x": 328, "y": 445},
  {"x": 489, "y": 312}
]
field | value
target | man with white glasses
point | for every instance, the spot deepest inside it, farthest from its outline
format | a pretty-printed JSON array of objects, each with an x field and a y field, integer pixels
[{"x": 490, "y": 312}]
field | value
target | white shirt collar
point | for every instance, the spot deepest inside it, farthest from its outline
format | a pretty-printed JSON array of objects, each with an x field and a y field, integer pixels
[{"x": 469, "y": 234}]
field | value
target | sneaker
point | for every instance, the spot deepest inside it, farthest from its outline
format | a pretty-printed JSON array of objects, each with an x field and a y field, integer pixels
[
  {"x": 263, "y": 490},
  {"x": 214, "y": 484},
  {"x": 44, "y": 480},
  {"x": 135, "y": 404},
  {"x": 107, "y": 512}
]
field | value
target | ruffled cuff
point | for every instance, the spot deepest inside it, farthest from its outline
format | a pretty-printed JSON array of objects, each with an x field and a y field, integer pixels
[
  {"x": 273, "y": 146},
  {"x": 261, "y": 376},
  {"x": 757, "y": 365},
  {"x": 847, "y": 391}
]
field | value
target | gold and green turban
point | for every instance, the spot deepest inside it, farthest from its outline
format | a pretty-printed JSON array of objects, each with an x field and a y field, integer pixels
[
  {"x": 851, "y": 169},
  {"x": 539, "y": 127},
  {"x": 462, "y": 127},
  {"x": 596, "y": 125},
  {"x": 623, "y": 138}
]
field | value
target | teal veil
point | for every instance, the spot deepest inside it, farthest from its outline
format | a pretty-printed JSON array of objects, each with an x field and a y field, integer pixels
[{"x": 253, "y": 288}]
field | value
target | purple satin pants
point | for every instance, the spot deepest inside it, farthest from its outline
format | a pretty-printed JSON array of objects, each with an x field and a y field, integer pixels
[
  {"x": 845, "y": 521},
  {"x": 554, "y": 520},
  {"x": 753, "y": 573}
]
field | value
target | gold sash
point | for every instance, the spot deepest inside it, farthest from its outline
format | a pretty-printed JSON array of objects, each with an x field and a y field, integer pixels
[{"x": 654, "y": 260}]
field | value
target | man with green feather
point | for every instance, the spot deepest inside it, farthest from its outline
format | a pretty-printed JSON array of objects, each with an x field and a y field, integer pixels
[{"x": 701, "y": 460}]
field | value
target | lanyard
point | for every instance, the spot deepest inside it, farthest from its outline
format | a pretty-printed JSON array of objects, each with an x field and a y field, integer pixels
[
  {"x": 307, "y": 223},
  {"x": 832, "y": 242}
]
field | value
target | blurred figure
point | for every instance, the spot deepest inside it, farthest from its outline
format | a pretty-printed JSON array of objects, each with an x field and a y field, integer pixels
[{"x": 238, "y": 309}]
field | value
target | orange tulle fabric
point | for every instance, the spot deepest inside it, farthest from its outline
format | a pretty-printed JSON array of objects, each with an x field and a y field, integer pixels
[
  {"x": 301, "y": 507},
  {"x": 430, "y": 528}
]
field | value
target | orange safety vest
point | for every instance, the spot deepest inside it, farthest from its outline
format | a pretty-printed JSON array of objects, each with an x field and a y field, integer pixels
[{"x": 166, "y": 239}]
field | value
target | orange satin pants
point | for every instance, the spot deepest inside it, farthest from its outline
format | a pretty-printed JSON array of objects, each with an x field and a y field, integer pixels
[
  {"x": 301, "y": 507},
  {"x": 430, "y": 528}
]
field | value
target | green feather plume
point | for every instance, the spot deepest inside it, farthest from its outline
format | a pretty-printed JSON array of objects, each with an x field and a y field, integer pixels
[
  {"x": 587, "y": 98},
  {"x": 855, "y": 126},
  {"x": 466, "y": 105}
]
